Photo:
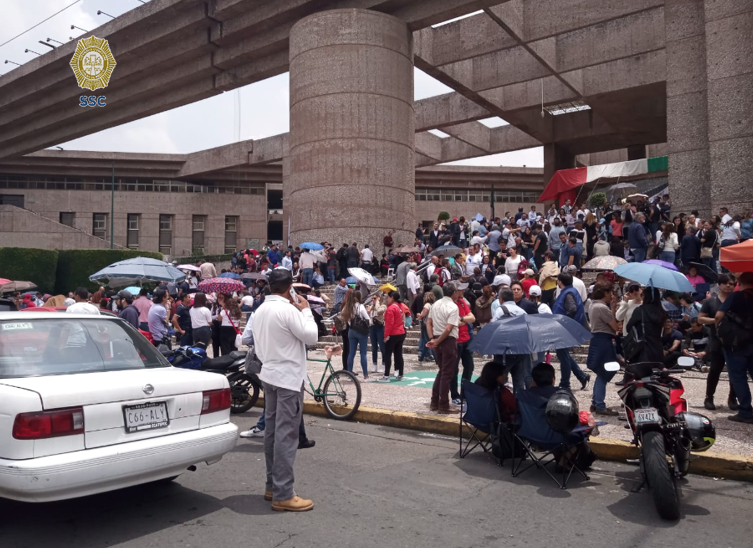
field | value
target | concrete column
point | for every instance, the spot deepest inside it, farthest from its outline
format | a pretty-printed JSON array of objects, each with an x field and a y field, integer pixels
[
  {"x": 687, "y": 125},
  {"x": 729, "y": 51},
  {"x": 352, "y": 175}
]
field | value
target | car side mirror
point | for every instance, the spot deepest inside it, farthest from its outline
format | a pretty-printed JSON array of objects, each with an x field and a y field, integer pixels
[
  {"x": 612, "y": 367},
  {"x": 685, "y": 361}
]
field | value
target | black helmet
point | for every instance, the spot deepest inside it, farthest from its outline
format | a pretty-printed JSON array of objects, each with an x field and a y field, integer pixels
[
  {"x": 700, "y": 430},
  {"x": 562, "y": 412}
]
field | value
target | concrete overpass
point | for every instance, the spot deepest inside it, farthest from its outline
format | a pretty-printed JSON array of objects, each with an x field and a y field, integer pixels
[{"x": 651, "y": 71}]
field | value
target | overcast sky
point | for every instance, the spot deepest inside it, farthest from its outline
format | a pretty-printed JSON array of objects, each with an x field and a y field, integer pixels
[{"x": 252, "y": 112}]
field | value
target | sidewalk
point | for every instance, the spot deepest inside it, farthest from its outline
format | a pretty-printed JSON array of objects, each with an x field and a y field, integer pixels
[{"x": 414, "y": 394}]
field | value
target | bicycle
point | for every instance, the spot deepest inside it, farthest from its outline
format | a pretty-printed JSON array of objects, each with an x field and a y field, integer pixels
[{"x": 335, "y": 390}]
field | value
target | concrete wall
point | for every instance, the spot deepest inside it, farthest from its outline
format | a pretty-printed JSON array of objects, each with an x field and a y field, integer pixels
[
  {"x": 22, "y": 228},
  {"x": 250, "y": 208}
]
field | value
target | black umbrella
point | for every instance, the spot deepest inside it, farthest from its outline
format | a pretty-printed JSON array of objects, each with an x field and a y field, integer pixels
[
  {"x": 705, "y": 271},
  {"x": 448, "y": 250}
]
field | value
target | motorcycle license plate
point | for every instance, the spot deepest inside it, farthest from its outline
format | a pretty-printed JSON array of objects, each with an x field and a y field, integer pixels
[{"x": 646, "y": 416}]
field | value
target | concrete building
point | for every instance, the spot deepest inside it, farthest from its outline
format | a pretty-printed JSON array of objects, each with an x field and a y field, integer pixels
[
  {"x": 583, "y": 78},
  {"x": 65, "y": 200}
]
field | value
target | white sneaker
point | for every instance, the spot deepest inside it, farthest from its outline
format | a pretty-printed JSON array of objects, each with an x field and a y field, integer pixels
[
  {"x": 253, "y": 433},
  {"x": 383, "y": 379}
]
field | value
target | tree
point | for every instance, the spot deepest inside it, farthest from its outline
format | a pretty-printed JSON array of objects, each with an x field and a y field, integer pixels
[
  {"x": 598, "y": 199},
  {"x": 443, "y": 216}
]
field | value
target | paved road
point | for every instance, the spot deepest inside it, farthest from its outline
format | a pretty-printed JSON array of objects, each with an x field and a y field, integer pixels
[{"x": 376, "y": 486}]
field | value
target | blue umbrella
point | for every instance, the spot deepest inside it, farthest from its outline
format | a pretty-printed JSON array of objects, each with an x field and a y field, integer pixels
[
  {"x": 231, "y": 275},
  {"x": 351, "y": 280},
  {"x": 528, "y": 334},
  {"x": 312, "y": 246},
  {"x": 651, "y": 275},
  {"x": 138, "y": 269},
  {"x": 133, "y": 290},
  {"x": 479, "y": 217}
]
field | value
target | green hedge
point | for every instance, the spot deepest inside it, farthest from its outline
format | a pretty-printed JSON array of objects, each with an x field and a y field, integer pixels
[
  {"x": 75, "y": 266},
  {"x": 29, "y": 265},
  {"x": 205, "y": 258}
]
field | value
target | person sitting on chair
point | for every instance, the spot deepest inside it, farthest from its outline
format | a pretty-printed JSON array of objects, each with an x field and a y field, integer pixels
[
  {"x": 543, "y": 381},
  {"x": 493, "y": 376}
]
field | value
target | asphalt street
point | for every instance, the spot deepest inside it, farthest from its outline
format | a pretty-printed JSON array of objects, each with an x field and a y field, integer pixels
[{"x": 377, "y": 486}]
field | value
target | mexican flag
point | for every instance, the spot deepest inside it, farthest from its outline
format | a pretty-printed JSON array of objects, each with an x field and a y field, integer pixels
[{"x": 565, "y": 181}]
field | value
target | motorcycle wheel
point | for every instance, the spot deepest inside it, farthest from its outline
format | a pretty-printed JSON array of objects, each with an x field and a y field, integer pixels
[
  {"x": 660, "y": 478},
  {"x": 250, "y": 392},
  {"x": 342, "y": 389}
]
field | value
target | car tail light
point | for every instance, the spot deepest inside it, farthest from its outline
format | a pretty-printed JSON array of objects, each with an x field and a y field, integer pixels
[
  {"x": 215, "y": 400},
  {"x": 49, "y": 424}
]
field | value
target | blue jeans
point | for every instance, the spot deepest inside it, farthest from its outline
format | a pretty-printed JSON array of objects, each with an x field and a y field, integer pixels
[
  {"x": 568, "y": 365},
  {"x": 599, "y": 392},
  {"x": 331, "y": 274},
  {"x": 376, "y": 335},
  {"x": 423, "y": 352},
  {"x": 640, "y": 254},
  {"x": 308, "y": 276},
  {"x": 355, "y": 339},
  {"x": 563, "y": 256},
  {"x": 739, "y": 366},
  {"x": 668, "y": 256}
]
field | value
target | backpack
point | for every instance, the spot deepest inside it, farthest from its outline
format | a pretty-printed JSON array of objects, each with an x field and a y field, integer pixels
[{"x": 735, "y": 331}]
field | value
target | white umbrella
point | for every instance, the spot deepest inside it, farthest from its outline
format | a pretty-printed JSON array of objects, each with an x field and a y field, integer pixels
[
  {"x": 190, "y": 267},
  {"x": 138, "y": 269},
  {"x": 362, "y": 276}
]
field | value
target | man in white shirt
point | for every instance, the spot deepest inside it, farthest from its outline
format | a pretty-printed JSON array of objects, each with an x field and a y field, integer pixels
[
  {"x": 577, "y": 284},
  {"x": 520, "y": 365},
  {"x": 307, "y": 262},
  {"x": 442, "y": 327},
  {"x": 507, "y": 306},
  {"x": 207, "y": 271},
  {"x": 282, "y": 328},
  {"x": 413, "y": 284},
  {"x": 287, "y": 261},
  {"x": 367, "y": 257},
  {"x": 432, "y": 267},
  {"x": 474, "y": 260}
]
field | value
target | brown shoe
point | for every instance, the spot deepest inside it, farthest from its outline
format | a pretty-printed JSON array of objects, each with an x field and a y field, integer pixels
[
  {"x": 296, "y": 504},
  {"x": 447, "y": 411},
  {"x": 433, "y": 406},
  {"x": 268, "y": 496}
]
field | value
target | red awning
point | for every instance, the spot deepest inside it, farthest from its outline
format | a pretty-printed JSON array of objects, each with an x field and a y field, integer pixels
[{"x": 563, "y": 185}]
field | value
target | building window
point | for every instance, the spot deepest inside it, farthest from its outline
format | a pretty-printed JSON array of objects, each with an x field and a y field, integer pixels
[
  {"x": 231, "y": 234},
  {"x": 134, "y": 222},
  {"x": 67, "y": 218},
  {"x": 12, "y": 199},
  {"x": 166, "y": 234},
  {"x": 197, "y": 243},
  {"x": 99, "y": 225}
]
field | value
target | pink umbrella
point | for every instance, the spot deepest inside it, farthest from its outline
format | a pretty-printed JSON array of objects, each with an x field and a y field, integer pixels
[
  {"x": 4, "y": 281},
  {"x": 665, "y": 264}
]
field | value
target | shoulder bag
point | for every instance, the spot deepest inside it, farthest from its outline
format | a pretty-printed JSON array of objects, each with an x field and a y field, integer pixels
[
  {"x": 734, "y": 331},
  {"x": 238, "y": 335},
  {"x": 634, "y": 340},
  {"x": 358, "y": 324}
]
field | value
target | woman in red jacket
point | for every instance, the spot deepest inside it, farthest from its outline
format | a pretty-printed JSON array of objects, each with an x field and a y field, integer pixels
[{"x": 394, "y": 337}]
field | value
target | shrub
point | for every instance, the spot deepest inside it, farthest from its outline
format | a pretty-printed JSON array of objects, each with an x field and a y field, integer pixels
[
  {"x": 597, "y": 199},
  {"x": 443, "y": 216},
  {"x": 29, "y": 265},
  {"x": 76, "y": 265},
  {"x": 205, "y": 258}
]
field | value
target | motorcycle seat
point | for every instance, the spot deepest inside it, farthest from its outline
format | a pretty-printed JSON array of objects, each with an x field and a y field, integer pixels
[{"x": 223, "y": 362}]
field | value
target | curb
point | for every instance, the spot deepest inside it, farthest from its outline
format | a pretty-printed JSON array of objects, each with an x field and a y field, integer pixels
[{"x": 719, "y": 465}]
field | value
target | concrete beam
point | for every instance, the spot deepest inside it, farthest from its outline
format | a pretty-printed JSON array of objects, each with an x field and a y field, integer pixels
[
  {"x": 448, "y": 109},
  {"x": 268, "y": 150},
  {"x": 473, "y": 133},
  {"x": 429, "y": 145},
  {"x": 217, "y": 159}
]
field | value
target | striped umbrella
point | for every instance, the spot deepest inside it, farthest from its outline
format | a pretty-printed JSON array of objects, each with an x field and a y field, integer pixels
[
  {"x": 605, "y": 262},
  {"x": 220, "y": 285}
]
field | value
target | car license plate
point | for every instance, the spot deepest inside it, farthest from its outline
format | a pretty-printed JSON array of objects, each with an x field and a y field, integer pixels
[
  {"x": 145, "y": 416},
  {"x": 646, "y": 416}
]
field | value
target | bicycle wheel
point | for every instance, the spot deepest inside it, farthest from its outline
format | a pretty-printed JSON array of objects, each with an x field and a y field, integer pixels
[{"x": 342, "y": 395}]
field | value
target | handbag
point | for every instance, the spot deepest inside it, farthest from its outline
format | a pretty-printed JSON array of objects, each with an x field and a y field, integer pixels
[
  {"x": 238, "y": 335},
  {"x": 707, "y": 253},
  {"x": 358, "y": 324},
  {"x": 253, "y": 363},
  {"x": 633, "y": 343}
]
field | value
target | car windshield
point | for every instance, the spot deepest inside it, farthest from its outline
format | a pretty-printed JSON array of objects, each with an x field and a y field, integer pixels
[{"x": 36, "y": 347}]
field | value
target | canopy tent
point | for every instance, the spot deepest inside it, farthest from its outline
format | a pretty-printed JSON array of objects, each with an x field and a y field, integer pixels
[{"x": 564, "y": 182}]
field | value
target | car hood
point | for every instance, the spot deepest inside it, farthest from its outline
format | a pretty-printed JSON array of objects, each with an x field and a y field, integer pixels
[{"x": 58, "y": 391}]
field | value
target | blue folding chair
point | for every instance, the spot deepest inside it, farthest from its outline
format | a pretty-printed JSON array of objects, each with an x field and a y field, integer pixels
[
  {"x": 480, "y": 417},
  {"x": 536, "y": 436}
]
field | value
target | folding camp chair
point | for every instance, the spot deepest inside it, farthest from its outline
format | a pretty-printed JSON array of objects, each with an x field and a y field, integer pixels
[
  {"x": 480, "y": 417},
  {"x": 536, "y": 436}
]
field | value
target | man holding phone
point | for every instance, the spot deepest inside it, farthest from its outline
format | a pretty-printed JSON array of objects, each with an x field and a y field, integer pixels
[{"x": 282, "y": 328}]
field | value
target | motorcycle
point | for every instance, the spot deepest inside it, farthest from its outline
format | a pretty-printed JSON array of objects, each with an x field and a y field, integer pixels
[
  {"x": 663, "y": 429},
  {"x": 244, "y": 385}
]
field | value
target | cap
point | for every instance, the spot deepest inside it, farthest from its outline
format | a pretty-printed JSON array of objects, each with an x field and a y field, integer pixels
[
  {"x": 572, "y": 268},
  {"x": 280, "y": 276},
  {"x": 123, "y": 294},
  {"x": 529, "y": 272},
  {"x": 462, "y": 286},
  {"x": 534, "y": 291},
  {"x": 501, "y": 279},
  {"x": 68, "y": 302}
]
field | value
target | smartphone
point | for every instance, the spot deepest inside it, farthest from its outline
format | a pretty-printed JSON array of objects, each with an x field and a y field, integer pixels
[{"x": 294, "y": 294}]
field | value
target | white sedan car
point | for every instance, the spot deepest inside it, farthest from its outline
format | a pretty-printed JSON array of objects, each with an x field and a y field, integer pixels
[{"x": 88, "y": 405}]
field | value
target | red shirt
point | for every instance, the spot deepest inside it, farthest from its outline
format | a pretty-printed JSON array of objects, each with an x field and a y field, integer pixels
[
  {"x": 463, "y": 333},
  {"x": 527, "y": 283},
  {"x": 393, "y": 321}
]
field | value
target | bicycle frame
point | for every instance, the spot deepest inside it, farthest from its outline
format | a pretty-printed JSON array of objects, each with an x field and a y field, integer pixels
[{"x": 327, "y": 373}]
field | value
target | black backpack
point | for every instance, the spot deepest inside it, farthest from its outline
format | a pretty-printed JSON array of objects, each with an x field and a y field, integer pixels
[{"x": 735, "y": 331}]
